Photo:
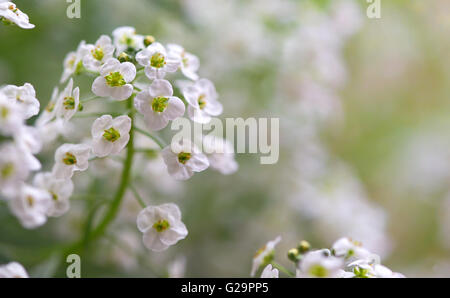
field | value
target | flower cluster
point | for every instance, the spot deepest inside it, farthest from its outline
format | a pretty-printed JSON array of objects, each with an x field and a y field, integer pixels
[
  {"x": 10, "y": 14},
  {"x": 346, "y": 259}
]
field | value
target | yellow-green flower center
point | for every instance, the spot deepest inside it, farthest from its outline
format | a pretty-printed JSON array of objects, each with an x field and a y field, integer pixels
[
  {"x": 157, "y": 60},
  {"x": 4, "y": 112},
  {"x": 111, "y": 134},
  {"x": 159, "y": 104},
  {"x": 69, "y": 159},
  {"x": 318, "y": 271},
  {"x": 201, "y": 101},
  {"x": 54, "y": 196},
  {"x": 7, "y": 170},
  {"x": 98, "y": 54},
  {"x": 184, "y": 157},
  {"x": 115, "y": 79},
  {"x": 50, "y": 107},
  {"x": 161, "y": 225},
  {"x": 69, "y": 103},
  {"x": 30, "y": 201}
]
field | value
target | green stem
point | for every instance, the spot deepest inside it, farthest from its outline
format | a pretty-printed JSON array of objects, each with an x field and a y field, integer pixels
[
  {"x": 90, "y": 99},
  {"x": 283, "y": 269},
  {"x": 137, "y": 195},
  {"x": 157, "y": 140}
]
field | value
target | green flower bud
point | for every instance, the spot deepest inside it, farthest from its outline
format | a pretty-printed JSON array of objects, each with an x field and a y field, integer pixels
[
  {"x": 124, "y": 57},
  {"x": 293, "y": 255},
  {"x": 148, "y": 40},
  {"x": 303, "y": 246}
]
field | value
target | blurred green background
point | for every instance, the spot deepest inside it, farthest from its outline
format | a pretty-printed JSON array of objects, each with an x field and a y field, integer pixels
[{"x": 365, "y": 133}]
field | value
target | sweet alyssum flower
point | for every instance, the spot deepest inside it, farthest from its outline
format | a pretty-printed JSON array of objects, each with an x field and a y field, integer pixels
[
  {"x": 183, "y": 158},
  {"x": 13, "y": 270},
  {"x": 13, "y": 169},
  {"x": 11, "y": 117},
  {"x": 73, "y": 62},
  {"x": 158, "y": 105},
  {"x": 371, "y": 268},
  {"x": 220, "y": 154},
  {"x": 28, "y": 141},
  {"x": 114, "y": 80},
  {"x": 348, "y": 248},
  {"x": 126, "y": 38},
  {"x": 157, "y": 61},
  {"x": 10, "y": 14},
  {"x": 202, "y": 99},
  {"x": 30, "y": 206},
  {"x": 50, "y": 110},
  {"x": 24, "y": 97},
  {"x": 189, "y": 63},
  {"x": 162, "y": 226},
  {"x": 270, "y": 272},
  {"x": 60, "y": 191},
  {"x": 98, "y": 54},
  {"x": 319, "y": 264},
  {"x": 70, "y": 158},
  {"x": 68, "y": 102},
  {"x": 264, "y": 255},
  {"x": 110, "y": 135}
]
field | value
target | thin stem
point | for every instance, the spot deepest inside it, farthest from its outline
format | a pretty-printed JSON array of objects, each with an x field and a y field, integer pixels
[
  {"x": 157, "y": 140},
  {"x": 283, "y": 269},
  {"x": 137, "y": 195},
  {"x": 90, "y": 99}
]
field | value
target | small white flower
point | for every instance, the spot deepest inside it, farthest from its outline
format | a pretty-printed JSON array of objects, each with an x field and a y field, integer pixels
[
  {"x": 264, "y": 255},
  {"x": 68, "y": 102},
  {"x": 220, "y": 154},
  {"x": 11, "y": 13},
  {"x": 31, "y": 206},
  {"x": 28, "y": 140},
  {"x": 348, "y": 248},
  {"x": 70, "y": 158},
  {"x": 202, "y": 99},
  {"x": 317, "y": 264},
  {"x": 158, "y": 105},
  {"x": 73, "y": 61},
  {"x": 11, "y": 117},
  {"x": 98, "y": 54},
  {"x": 13, "y": 169},
  {"x": 269, "y": 272},
  {"x": 183, "y": 159},
  {"x": 371, "y": 268},
  {"x": 24, "y": 97},
  {"x": 126, "y": 37},
  {"x": 50, "y": 110},
  {"x": 157, "y": 61},
  {"x": 189, "y": 63},
  {"x": 162, "y": 226},
  {"x": 13, "y": 270},
  {"x": 59, "y": 189},
  {"x": 114, "y": 80},
  {"x": 110, "y": 135}
]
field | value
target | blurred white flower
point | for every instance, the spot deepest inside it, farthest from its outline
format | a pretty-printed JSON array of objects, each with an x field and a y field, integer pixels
[
  {"x": 28, "y": 140},
  {"x": 269, "y": 272},
  {"x": 202, "y": 99},
  {"x": 157, "y": 61},
  {"x": 13, "y": 270},
  {"x": 70, "y": 158},
  {"x": 183, "y": 159},
  {"x": 189, "y": 63},
  {"x": 73, "y": 61},
  {"x": 50, "y": 110},
  {"x": 264, "y": 255},
  {"x": 162, "y": 226},
  {"x": 126, "y": 37},
  {"x": 10, "y": 13},
  {"x": 59, "y": 189},
  {"x": 98, "y": 54},
  {"x": 110, "y": 135},
  {"x": 68, "y": 102},
  {"x": 317, "y": 264},
  {"x": 348, "y": 248},
  {"x": 13, "y": 169},
  {"x": 30, "y": 206},
  {"x": 370, "y": 268},
  {"x": 177, "y": 268},
  {"x": 11, "y": 117},
  {"x": 24, "y": 97},
  {"x": 220, "y": 154},
  {"x": 114, "y": 80},
  {"x": 158, "y": 105}
]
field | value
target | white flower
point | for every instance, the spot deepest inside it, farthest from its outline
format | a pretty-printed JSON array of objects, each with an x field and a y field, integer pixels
[
  {"x": 157, "y": 61},
  {"x": 318, "y": 264},
  {"x": 11, "y": 13},
  {"x": 110, "y": 135},
  {"x": 220, "y": 154},
  {"x": 98, "y": 54},
  {"x": 126, "y": 37},
  {"x": 28, "y": 140},
  {"x": 24, "y": 97},
  {"x": 13, "y": 169},
  {"x": 202, "y": 99},
  {"x": 371, "y": 268},
  {"x": 68, "y": 102},
  {"x": 59, "y": 189},
  {"x": 73, "y": 61},
  {"x": 264, "y": 255},
  {"x": 50, "y": 110},
  {"x": 189, "y": 63},
  {"x": 114, "y": 80},
  {"x": 70, "y": 158},
  {"x": 11, "y": 117},
  {"x": 31, "y": 206},
  {"x": 348, "y": 248},
  {"x": 158, "y": 105},
  {"x": 183, "y": 159},
  {"x": 269, "y": 272},
  {"x": 162, "y": 226},
  {"x": 13, "y": 270}
]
